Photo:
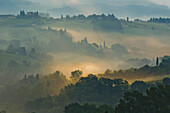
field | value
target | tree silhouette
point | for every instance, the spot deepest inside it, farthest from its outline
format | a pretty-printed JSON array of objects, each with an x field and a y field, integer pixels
[
  {"x": 157, "y": 61},
  {"x": 76, "y": 75}
]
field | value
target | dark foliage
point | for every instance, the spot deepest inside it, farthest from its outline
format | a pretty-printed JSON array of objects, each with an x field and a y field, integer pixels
[
  {"x": 160, "y": 20},
  {"x": 166, "y": 81},
  {"x": 157, "y": 100},
  {"x": 140, "y": 86},
  {"x": 88, "y": 90},
  {"x": 88, "y": 108}
]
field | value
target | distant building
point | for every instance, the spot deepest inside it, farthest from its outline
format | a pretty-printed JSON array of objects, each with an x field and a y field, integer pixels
[
  {"x": 22, "y": 13},
  {"x": 84, "y": 41},
  {"x": 29, "y": 15}
]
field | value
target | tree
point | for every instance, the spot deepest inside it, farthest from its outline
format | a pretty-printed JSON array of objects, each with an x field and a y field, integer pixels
[
  {"x": 131, "y": 103},
  {"x": 37, "y": 77},
  {"x": 108, "y": 71},
  {"x": 88, "y": 108},
  {"x": 73, "y": 108},
  {"x": 76, "y": 75},
  {"x": 105, "y": 109},
  {"x": 139, "y": 85},
  {"x": 67, "y": 17},
  {"x": 166, "y": 81},
  {"x": 88, "y": 89},
  {"x": 157, "y": 61},
  {"x": 22, "y": 13}
]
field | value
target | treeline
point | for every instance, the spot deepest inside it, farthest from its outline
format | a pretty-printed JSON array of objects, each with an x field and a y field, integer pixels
[
  {"x": 89, "y": 89},
  {"x": 54, "y": 93},
  {"x": 102, "y": 94},
  {"x": 137, "y": 63},
  {"x": 30, "y": 87},
  {"x": 100, "y": 22},
  {"x": 109, "y": 17},
  {"x": 111, "y": 22},
  {"x": 146, "y": 71},
  {"x": 159, "y": 20},
  {"x": 65, "y": 43}
]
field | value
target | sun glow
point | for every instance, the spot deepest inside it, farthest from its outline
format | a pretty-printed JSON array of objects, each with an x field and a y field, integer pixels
[{"x": 87, "y": 68}]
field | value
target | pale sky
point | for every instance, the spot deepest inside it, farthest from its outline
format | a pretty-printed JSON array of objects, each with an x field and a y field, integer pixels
[
  {"x": 162, "y": 2},
  {"x": 84, "y": 2},
  {"x": 135, "y": 8}
]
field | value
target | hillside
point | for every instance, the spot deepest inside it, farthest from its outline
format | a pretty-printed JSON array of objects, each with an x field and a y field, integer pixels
[
  {"x": 13, "y": 66},
  {"x": 64, "y": 40}
]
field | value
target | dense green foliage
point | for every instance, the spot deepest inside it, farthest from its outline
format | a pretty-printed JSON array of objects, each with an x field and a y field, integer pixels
[
  {"x": 140, "y": 86},
  {"x": 88, "y": 108},
  {"x": 76, "y": 75},
  {"x": 157, "y": 100},
  {"x": 47, "y": 94},
  {"x": 89, "y": 89},
  {"x": 166, "y": 81}
]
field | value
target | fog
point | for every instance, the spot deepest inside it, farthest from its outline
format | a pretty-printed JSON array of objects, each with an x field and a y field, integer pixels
[
  {"x": 137, "y": 47},
  {"x": 67, "y": 62},
  {"x": 158, "y": 46},
  {"x": 43, "y": 58},
  {"x": 61, "y": 45}
]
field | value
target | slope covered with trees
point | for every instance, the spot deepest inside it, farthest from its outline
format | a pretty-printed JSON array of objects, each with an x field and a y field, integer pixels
[
  {"x": 89, "y": 89},
  {"x": 156, "y": 101},
  {"x": 160, "y": 69},
  {"x": 13, "y": 96}
]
